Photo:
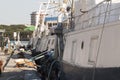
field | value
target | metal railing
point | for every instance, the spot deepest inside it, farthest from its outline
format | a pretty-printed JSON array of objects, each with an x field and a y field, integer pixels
[{"x": 96, "y": 15}]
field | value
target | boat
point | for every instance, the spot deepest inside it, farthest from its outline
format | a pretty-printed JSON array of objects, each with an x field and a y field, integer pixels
[{"x": 88, "y": 46}]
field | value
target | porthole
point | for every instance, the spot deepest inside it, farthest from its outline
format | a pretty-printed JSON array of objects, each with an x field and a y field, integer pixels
[{"x": 52, "y": 41}]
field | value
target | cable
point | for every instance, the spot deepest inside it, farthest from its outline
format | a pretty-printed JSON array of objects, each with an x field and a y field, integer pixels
[
  {"x": 51, "y": 68},
  {"x": 99, "y": 45}
]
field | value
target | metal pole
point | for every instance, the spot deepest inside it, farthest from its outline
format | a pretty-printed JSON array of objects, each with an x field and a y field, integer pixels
[{"x": 72, "y": 13}]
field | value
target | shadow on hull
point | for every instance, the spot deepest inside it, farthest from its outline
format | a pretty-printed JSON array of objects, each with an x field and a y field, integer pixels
[{"x": 80, "y": 73}]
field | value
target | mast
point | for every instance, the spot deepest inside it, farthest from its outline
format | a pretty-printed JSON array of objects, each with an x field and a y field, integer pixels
[
  {"x": 37, "y": 21},
  {"x": 72, "y": 10},
  {"x": 40, "y": 26}
]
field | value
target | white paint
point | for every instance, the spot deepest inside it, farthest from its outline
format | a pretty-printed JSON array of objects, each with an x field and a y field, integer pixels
[
  {"x": 98, "y": 1},
  {"x": 93, "y": 49},
  {"x": 109, "y": 54},
  {"x": 113, "y": 1}
]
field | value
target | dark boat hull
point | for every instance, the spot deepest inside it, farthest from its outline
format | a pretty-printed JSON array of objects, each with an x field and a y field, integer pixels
[{"x": 80, "y": 73}]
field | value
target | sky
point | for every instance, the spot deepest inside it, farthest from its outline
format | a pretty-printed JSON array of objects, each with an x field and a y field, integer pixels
[{"x": 17, "y": 11}]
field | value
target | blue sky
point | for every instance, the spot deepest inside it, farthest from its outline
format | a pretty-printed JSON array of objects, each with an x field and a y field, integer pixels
[{"x": 17, "y": 11}]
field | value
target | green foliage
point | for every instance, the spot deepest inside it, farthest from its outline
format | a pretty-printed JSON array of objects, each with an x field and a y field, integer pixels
[
  {"x": 9, "y": 29},
  {"x": 13, "y": 28}
]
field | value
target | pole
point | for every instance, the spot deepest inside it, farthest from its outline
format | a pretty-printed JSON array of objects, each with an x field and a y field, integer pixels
[{"x": 72, "y": 5}]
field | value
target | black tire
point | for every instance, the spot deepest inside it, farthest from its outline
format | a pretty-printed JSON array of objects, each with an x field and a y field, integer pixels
[{"x": 56, "y": 72}]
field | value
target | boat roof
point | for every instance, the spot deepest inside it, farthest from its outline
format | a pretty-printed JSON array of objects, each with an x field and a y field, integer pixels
[{"x": 51, "y": 19}]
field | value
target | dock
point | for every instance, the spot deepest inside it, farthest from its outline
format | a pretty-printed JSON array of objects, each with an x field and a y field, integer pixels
[{"x": 11, "y": 72}]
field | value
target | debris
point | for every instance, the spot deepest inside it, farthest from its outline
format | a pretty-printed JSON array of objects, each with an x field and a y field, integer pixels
[{"x": 23, "y": 63}]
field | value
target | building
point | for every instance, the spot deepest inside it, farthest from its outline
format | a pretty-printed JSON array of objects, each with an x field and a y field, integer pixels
[{"x": 34, "y": 18}]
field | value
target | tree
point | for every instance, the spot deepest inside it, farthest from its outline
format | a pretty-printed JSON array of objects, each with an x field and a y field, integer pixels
[{"x": 9, "y": 29}]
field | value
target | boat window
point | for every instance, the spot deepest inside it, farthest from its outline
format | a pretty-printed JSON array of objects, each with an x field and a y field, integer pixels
[
  {"x": 54, "y": 23},
  {"x": 48, "y": 43},
  {"x": 49, "y": 24},
  {"x": 52, "y": 41},
  {"x": 82, "y": 45}
]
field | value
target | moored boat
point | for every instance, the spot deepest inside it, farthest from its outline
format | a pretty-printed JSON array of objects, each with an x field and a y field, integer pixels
[{"x": 88, "y": 46}]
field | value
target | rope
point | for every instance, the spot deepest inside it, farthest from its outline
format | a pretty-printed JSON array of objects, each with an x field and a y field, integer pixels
[
  {"x": 59, "y": 51},
  {"x": 51, "y": 69},
  {"x": 99, "y": 45}
]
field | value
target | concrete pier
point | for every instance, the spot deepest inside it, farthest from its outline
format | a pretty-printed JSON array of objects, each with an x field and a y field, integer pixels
[{"x": 14, "y": 73}]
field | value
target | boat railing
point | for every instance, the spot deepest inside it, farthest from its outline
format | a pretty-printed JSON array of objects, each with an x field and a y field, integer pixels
[{"x": 103, "y": 13}]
